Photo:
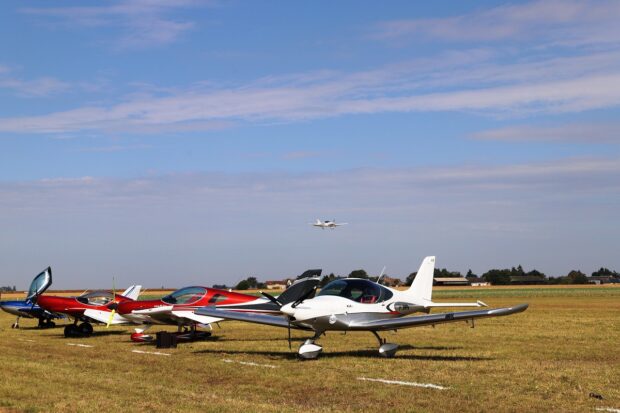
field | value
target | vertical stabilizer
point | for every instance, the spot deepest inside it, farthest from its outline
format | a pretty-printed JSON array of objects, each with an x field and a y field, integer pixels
[
  {"x": 422, "y": 286},
  {"x": 132, "y": 292}
]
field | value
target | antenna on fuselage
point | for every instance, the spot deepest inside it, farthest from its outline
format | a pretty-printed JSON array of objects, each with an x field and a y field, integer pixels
[{"x": 381, "y": 275}]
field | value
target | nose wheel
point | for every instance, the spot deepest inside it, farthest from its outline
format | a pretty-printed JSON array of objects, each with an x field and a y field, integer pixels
[
  {"x": 309, "y": 350},
  {"x": 387, "y": 350}
]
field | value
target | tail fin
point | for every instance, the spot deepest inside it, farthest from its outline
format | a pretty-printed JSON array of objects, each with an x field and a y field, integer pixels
[
  {"x": 422, "y": 286},
  {"x": 132, "y": 292}
]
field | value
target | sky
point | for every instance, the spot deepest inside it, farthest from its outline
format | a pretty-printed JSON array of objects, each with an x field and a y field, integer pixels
[{"x": 190, "y": 142}]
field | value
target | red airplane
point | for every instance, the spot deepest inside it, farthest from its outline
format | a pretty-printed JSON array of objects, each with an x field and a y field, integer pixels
[
  {"x": 99, "y": 306},
  {"x": 178, "y": 307}
]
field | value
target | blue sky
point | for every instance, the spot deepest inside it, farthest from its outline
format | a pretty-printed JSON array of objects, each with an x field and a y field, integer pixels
[{"x": 190, "y": 142}]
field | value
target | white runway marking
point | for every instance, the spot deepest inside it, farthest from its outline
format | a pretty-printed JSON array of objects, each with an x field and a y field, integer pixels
[
  {"x": 79, "y": 345},
  {"x": 406, "y": 383},
  {"x": 608, "y": 409},
  {"x": 249, "y": 363},
  {"x": 157, "y": 353},
  {"x": 30, "y": 341}
]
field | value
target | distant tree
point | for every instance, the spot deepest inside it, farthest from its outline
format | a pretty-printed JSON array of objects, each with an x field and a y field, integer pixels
[
  {"x": 410, "y": 278},
  {"x": 243, "y": 285},
  {"x": 470, "y": 274},
  {"x": 498, "y": 277},
  {"x": 536, "y": 273},
  {"x": 577, "y": 277},
  {"x": 444, "y": 273},
  {"x": 358, "y": 274},
  {"x": 605, "y": 272},
  {"x": 327, "y": 279},
  {"x": 220, "y": 286}
]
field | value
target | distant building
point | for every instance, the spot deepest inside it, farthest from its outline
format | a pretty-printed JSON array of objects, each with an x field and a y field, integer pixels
[
  {"x": 391, "y": 282},
  {"x": 279, "y": 284},
  {"x": 603, "y": 279},
  {"x": 478, "y": 282},
  {"x": 450, "y": 281}
]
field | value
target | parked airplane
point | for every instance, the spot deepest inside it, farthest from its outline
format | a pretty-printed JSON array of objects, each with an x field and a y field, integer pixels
[
  {"x": 362, "y": 305},
  {"x": 28, "y": 308},
  {"x": 178, "y": 308},
  {"x": 327, "y": 224},
  {"x": 89, "y": 307}
]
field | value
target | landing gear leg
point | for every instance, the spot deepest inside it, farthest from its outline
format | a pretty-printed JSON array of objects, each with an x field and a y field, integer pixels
[
  {"x": 16, "y": 323},
  {"x": 309, "y": 350},
  {"x": 387, "y": 350}
]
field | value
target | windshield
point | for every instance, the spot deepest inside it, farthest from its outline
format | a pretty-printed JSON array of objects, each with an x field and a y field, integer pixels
[
  {"x": 362, "y": 291},
  {"x": 96, "y": 298},
  {"x": 40, "y": 283},
  {"x": 186, "y": 295}
]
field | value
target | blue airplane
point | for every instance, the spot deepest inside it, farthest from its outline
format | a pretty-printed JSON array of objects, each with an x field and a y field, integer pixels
[{"x": 28, "y": 308}]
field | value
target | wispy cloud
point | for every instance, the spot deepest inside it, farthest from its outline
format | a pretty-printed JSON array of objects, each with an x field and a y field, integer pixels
[
  {"x": 376, "y": 188},
  {"x": 290, "y": 156},
  {"x": 483, "y": 84},
  {"x": 558, "y": 21},
  {"x": 39, "y": 87},
  {"x": 603, "y": 132},
  {"x": 142, "y": 23}
]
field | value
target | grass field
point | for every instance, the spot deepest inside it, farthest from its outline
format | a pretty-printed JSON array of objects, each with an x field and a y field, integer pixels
[{"x": 549, "y": 358}]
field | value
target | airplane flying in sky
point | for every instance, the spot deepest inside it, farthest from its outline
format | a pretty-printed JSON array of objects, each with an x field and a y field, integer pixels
[
  {"x": 28, "y": 308},
  {"x": 354, "y": 304},
  {"x": 89, "y": 307},
  {"x": 327, "y": 224},
  {"x": 178, "y": 308}
]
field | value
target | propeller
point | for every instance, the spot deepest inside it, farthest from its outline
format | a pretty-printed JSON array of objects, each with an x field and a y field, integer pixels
[
  {"x": 112, "y": 306},
  {"x": 289, "y": 332},
  {"x": 272, "y": 299},
  {"x": 303, "y": 297}
]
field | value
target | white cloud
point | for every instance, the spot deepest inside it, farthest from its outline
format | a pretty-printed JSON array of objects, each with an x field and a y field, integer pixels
[
  {"x": 603, "y": 132},
  {"x": 142, "y": 22},
  {"x": 557, "y": 21},
  {"x": 458, "y": 83}
]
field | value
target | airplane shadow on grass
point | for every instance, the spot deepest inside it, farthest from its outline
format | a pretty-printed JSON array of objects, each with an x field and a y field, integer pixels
[{"x": 292, "y": 355}]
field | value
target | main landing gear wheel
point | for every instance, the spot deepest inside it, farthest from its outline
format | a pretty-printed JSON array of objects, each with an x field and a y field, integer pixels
[
  {"x": 15, "y": 325},
  {"x": 85, "y": 329},
  {"x": 71, "y": 330}
]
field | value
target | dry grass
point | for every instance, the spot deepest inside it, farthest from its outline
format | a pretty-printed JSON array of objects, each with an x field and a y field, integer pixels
[{"x": 547, "y": 359}]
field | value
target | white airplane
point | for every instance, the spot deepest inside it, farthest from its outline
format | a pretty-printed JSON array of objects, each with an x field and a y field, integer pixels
[
  {"x": 355, "y": 304},
  {"x": 327, "y": 224}
]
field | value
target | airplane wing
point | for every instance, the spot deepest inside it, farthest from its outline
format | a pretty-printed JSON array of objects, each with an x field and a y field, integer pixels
[
  {"x": 269, "y": 320},
  {"x": 167, "y": 315},
  {"x": 424, "y": 320}
]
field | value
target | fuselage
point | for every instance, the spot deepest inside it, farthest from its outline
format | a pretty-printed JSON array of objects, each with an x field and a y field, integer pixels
[
  {"x": 75, "y": 306},
  {"x": 343, "y": 301},
  {"x": 188, "y": 299}
]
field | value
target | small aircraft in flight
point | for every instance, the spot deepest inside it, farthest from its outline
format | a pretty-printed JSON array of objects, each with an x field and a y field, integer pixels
[
  {"x": 89, "y": 307},
  {"x": 178, "y": 308},
  {"x": 28, "y": 308},
  {"x": 355, "y": 304},
  {"x": 327, "y": 224}
]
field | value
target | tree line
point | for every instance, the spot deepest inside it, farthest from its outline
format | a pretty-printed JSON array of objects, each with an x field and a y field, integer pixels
[{"x": 494, "y": 276}]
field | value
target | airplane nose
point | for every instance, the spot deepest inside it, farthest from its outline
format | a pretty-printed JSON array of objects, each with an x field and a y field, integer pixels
[{"x": 287, "y": 309}]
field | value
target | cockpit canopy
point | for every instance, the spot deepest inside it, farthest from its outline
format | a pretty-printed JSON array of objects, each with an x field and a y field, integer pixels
[
  {"x": 40, "y": 283},
  {"x": 187, "y": 295},
  {"x": 359, "y": 290},
  {"x": 96, "y": 298}
]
